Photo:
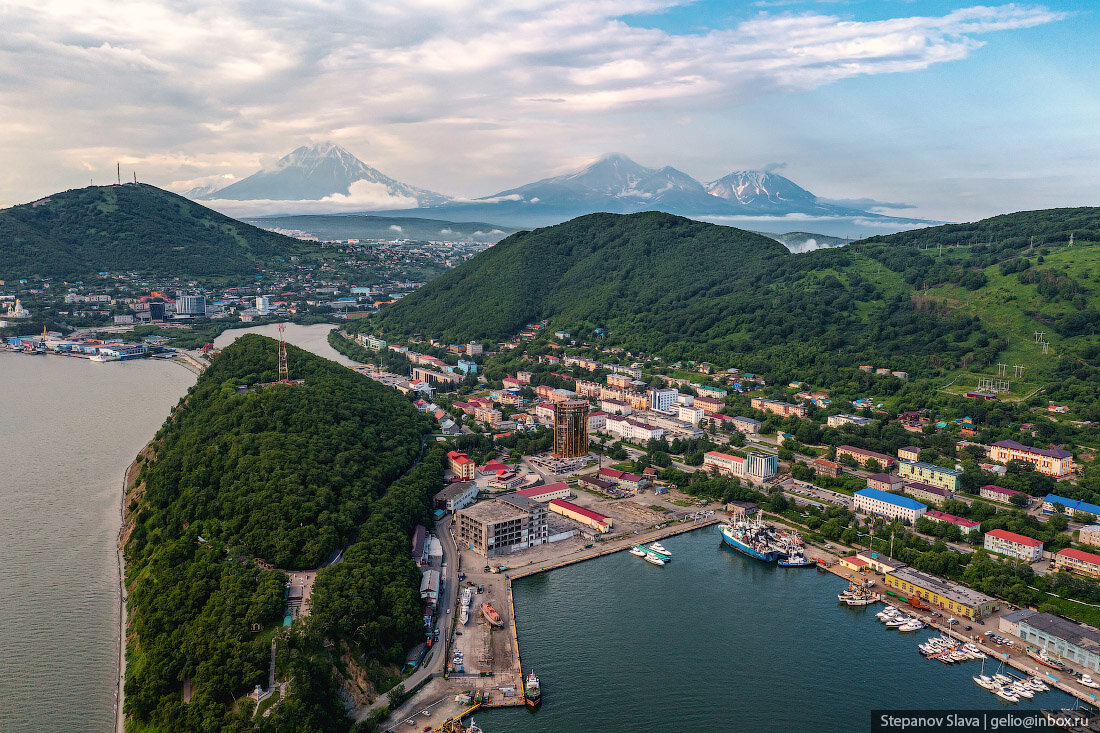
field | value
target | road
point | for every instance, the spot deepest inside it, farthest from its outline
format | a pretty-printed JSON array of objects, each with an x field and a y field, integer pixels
[{"x": 445, "y": 620}]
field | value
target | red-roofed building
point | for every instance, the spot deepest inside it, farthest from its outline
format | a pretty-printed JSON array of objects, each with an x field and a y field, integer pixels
[
  {"x": 861, "y": 456},
  {"x": 549, "y": 492},
  {"x": 966, "y": 526},
  {"x": 1078, "y": 561},
  {"x": 826, "y": 467},
  {"x": 494, "y": 467},
  {"x": 578, "y": 513},
  {"x": 855, "y": 562},
  {"x": 1014, "y": 545},
  {"x": 997, "y": 493},
  {"x": 461, "y": 465},
  {"x": 622, "y": 479}
]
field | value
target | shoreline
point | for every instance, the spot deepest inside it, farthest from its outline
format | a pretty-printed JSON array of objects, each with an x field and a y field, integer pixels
[{"x": 128, "y": 478}]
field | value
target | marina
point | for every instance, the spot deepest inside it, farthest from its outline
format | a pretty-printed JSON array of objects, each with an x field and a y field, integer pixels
[{"x": 587, "y": 648}]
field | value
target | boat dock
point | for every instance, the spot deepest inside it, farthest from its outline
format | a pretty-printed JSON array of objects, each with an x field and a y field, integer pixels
[{"x": 1014, "y": 657}]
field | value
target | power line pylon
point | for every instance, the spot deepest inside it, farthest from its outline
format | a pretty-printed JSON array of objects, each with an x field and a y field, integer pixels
[{"x": 284, "y": 370}]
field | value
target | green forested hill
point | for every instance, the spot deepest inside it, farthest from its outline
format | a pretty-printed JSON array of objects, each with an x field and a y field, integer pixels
[
  {"x": 288, "y": 474},
  {"x": 132, "y": 227},
  {"x": 678, "y": 288}
]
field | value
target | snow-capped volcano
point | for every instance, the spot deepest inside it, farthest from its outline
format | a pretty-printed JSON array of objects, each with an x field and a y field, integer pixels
[{"x": 324, "y": 171}]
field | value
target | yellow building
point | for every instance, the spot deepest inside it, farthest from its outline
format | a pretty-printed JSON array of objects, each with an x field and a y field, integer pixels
[{"x": 955, "y": 599}]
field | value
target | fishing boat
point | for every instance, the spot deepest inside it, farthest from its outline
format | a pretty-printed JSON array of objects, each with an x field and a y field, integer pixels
[
  {"x": 652, "y": 559},
  {"x": 1040, "y": 656},
  {"x": 491, "y": 614},
  {"x": 473, "y": 727},
  {"x": 637, "y": 551},
  {"x": 532, "y": 691},
  {"x": 750, "y": 538},
  {"x": 795, "y": 559}
]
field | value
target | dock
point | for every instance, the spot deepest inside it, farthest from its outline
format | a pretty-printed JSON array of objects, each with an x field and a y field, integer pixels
[{"x": 1020, "y": 661}]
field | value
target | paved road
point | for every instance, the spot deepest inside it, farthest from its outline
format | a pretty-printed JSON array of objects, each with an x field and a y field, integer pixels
[{"x": 444, "y": 623}]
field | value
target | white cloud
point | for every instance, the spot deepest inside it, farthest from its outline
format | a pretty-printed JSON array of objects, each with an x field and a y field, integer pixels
[{"x": 488, "y": 86}]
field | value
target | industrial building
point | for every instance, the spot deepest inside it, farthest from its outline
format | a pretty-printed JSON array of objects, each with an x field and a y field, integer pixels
[
  {"x": 956, "y": 599},
  {"x": 1059, "y": 637},
  {"x": 506, "y": 524},
  {"x": 578, "y": 513}
]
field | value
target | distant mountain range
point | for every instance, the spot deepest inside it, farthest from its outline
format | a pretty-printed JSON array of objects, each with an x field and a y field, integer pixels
[{"x": 317, "y": 178}]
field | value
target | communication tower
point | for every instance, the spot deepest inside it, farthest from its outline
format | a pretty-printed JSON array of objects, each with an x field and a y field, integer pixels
[{"x": 284, "y": 370}]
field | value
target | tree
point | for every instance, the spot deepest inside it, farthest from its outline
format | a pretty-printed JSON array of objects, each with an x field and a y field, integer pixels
[
  {"x": 872, "y": 465},
  {"x": 1058, "y": 522},
  {"x": 1020, "y": 499}
]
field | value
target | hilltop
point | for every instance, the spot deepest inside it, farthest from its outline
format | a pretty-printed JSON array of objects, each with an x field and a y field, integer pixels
[
  {"x": 683, "y": 289},
  {"x": 132, "y": 228}
]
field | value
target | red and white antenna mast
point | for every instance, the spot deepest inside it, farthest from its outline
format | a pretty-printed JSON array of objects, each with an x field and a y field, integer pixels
[{"x": 284, "y": 370}]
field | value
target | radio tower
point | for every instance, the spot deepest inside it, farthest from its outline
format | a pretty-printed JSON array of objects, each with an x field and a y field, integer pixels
[{"x": 284, "y": 371}]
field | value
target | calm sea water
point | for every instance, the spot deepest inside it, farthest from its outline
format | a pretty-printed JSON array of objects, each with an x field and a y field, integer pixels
[
  {"x": 68, "y": 430},
  {"x": 311, "y": 338},
  {"x": 715, "y": 641}
]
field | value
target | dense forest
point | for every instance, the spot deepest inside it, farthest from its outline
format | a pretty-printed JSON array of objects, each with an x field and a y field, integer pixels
[
  {"x": 288, "y": 474},
  {"x": 134, "y": 228},
  {"x": 681, "y": 289}
]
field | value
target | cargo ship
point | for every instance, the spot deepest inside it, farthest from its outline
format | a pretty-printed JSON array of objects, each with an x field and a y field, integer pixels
[
  {"x": 750, "y": 538},
  {"x": 532, "y": 691},
  {"x": 491, "y": 614}
]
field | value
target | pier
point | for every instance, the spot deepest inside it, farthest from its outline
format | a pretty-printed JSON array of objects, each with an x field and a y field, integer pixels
[{"x": 1014, "y": 656}]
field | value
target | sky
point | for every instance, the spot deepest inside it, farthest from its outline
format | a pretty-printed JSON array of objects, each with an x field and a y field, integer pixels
[{"x": 955, "y": 110}]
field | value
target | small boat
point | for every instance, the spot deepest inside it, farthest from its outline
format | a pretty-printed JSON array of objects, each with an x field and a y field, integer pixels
[
  {"x": 660, "y": 548},
  {"x": 1038, "y": 685},
  {"x": 1087, "y": 681},
  {"x": 911, "y": 625},
  {"x": 1005, "y": 693},
  {"x": 1022, "y": 691},
  {"x": 637, "y": 551},
  {"x": 532, "y": 691},
  {"x": 984, "y": 681},
  {"x": 1002, "y": 679},
  {"x": 491, "y": 614},
  {"x": 898, "y": 622},
  {"x": 1040, "y": 656},
  {"x": 652, "y": 559}
]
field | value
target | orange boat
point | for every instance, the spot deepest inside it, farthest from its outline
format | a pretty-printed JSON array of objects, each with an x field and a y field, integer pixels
[{"x": 491, "y": 614}]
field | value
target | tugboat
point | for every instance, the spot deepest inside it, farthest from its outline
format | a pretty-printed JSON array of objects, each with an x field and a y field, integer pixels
[{"x": 532, "y": 691}]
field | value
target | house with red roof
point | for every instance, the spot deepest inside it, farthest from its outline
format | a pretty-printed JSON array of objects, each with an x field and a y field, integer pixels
[
  {"x": 1012, "y": 544},
  {"x": 1078, "y": 561},
  {"x": 547, "y": 493},
  {"x": 966, "y": 526},
  {"x": 461, "y": 465},
  {"x": 577, "y": 513}
]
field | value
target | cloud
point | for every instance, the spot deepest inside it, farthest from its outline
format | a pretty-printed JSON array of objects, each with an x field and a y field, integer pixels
[
  {"x": 227, "y": 82},
  {"x": 362, "y": 196},
  {"x": 774, "y": 167},
  {"x": 866, "y": 204},
  {"x": 396, "y": 228}
]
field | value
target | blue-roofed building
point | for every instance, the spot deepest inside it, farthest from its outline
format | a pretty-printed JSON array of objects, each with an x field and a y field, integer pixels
[
  {"x": 891, "y": 506},
  {"x": 1071, "y": 505}
]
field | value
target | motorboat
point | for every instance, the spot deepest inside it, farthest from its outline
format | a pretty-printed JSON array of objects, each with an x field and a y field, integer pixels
[
  {"x": 1022, "y": 691},
  {"x": 1087, "y": 681},
  {"x": 1006, "y": 694},
  {"x": 653, "y": 559},
  {"x": 638, "y": 552},
  {"x": 897, "y": 622},
  {"x": 1002, "y": 679},
  {"x": 911, "y": 625},
  {"x": 659, "y": 548}
]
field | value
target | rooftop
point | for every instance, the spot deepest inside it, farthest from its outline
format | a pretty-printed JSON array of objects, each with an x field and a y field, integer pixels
[
  {"x": 1080, "y": 555},
  {"x": 579, "y": 510},
  {"x": 951, "y": 518},
  {"x": 932, "y": 467},
  {"x": 534, "y": 491},
  {"x": 453, "y": 490},
  {"x": 492, "y": 511},
  {"x": 886, "y": 496},
  {"x": 1049, "y": 452},
  {"x": 1079, "y": 635},
  {"x": 957, "y": 593},
  {"x": 1072, "y": 505},
  {"x": 1020, "y": 539}
]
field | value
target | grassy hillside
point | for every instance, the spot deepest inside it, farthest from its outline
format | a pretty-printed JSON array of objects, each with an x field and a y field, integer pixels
[
  {"x": 132, "y": 228},
  {"x": 683, "y": 289}
]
